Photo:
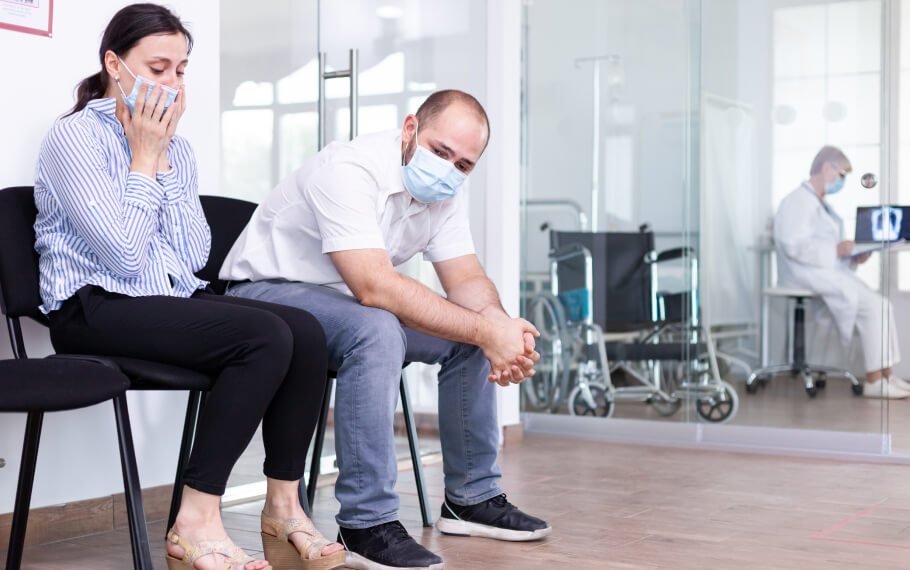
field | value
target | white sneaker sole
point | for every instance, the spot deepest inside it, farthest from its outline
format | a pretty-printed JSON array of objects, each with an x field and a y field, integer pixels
[
  {"x": 465, "y": 528},
  {"x": 354, "y": 560}
]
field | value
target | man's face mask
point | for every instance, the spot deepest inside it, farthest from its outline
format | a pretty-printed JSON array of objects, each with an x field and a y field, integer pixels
[
  {"x": 430, "y": 178},
  {"x": 169, "y": 93}
]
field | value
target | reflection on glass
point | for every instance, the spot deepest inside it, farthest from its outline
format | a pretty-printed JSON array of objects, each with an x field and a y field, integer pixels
[
  {"x": 301, "y": 85},
  {"x": 299, "y": 139},
  {"x": 247, "y": 147}
]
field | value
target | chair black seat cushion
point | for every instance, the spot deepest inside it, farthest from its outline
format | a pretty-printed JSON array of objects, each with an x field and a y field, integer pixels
[
  {"x": 51, "y": 384},
  {"x": 149, "y": 375}
]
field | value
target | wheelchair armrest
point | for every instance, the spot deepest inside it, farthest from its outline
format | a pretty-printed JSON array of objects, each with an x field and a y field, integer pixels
[
  {"x": 566, "y": 252},
  {"x": 654, "y": 256}
]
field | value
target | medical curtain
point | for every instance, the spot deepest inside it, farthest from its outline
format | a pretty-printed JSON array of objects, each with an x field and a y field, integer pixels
[{"x": 729, "y": 214}]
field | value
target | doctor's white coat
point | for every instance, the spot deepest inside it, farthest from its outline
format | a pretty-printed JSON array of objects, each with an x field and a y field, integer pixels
[{"x": 806, "y": 234}]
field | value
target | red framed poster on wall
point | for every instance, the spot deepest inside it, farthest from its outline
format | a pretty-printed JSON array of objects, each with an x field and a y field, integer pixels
[{"x": 27, "y": 16}]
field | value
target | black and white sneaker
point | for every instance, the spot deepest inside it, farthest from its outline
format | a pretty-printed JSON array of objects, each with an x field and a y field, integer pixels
[
  {"x": 386, "y": 546},
  {"x": 494, "y": 518}
]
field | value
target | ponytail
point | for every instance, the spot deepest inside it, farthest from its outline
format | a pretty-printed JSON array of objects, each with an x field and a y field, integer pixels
[{"x": 92, "y": 87}]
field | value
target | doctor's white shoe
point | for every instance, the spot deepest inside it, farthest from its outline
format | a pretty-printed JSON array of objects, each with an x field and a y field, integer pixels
[
  {"x": 885, "y": 390},
  {"x": 899, "y": 382}
]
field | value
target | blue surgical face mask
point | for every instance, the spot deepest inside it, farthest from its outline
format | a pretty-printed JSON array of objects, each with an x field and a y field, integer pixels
[
  {"x": 430, "y": 178},
  {"x": 836, "y": 186},
  {"x": 169, "y": 93}
]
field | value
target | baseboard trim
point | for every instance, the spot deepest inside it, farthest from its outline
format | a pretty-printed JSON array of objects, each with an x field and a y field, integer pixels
[
  {"x": 78, "y": 518},
  {"x": 512, "y": 435}
]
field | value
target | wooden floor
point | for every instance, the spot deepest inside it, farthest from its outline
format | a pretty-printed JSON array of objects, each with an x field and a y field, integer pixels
[{"x": 633, "y": 507}]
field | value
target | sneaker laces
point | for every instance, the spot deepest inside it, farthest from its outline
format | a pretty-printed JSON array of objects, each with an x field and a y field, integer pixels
[
  {"x": 501, "y": 502},
  {"x": 394, "y": 532}
]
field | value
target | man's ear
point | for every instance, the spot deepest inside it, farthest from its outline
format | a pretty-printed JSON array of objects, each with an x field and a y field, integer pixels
[{"x": 409, "y": 128}]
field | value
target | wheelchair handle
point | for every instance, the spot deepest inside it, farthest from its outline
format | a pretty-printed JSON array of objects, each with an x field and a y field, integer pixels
[{"x": 565, "y": 253}]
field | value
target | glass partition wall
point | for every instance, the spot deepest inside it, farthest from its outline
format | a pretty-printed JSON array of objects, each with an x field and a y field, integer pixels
[
  {"x": 610, "y": 219},
  {"x": 685, "y": 130},
  {"x": 271, "y": 116}
]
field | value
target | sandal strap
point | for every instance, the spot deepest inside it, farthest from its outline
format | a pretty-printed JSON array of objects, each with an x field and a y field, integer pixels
[
  {"x": 315, "y": 540},
  {"x": 314, "y": 548},
  {"x": 236, "y": 557},
  {"x": 284, "y": 529}
]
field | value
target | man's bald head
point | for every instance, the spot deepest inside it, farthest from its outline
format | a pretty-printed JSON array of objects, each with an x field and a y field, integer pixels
[{"x": 439, "y": 101}]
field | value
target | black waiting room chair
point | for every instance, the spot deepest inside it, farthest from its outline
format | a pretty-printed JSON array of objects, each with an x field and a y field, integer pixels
[
  {"x": 20, "y": 298},
  {"x": 36, "y": 386}
]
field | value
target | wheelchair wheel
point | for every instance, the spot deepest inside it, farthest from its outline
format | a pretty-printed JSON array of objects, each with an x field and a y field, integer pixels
[
  {"x": 669, "y": 383},
  {"x": 542, "y": 391},
  {"x": 579, "y": 405},
  {"x": 719, "y": 406}
]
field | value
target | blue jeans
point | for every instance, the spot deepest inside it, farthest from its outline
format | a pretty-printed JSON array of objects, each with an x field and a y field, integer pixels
[{"x": 367, "y": 347}]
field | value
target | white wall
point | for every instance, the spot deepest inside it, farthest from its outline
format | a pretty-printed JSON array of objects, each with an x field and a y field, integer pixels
[{"x": 78, "y": 457}]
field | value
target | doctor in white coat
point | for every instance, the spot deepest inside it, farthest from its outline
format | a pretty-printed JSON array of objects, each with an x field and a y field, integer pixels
[{"x": 812, "y": 254}]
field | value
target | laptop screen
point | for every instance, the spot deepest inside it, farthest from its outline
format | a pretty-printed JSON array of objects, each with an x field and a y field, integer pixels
[{"x": 882, "y": 223}]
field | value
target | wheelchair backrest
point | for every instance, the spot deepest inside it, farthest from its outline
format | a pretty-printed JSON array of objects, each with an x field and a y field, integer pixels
[{"x": 622, "y": 279}]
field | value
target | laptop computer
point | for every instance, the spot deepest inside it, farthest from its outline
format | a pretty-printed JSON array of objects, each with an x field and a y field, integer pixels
[{"x": 879, "y": 227}]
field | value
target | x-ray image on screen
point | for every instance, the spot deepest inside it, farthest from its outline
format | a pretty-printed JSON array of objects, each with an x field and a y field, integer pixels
[
  {"x": 882, "y": 223},
  {"x": 886, "y": 223}
]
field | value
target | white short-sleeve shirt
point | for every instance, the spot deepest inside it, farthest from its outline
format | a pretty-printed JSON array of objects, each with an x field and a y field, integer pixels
[{"x": 349, "y": 196}]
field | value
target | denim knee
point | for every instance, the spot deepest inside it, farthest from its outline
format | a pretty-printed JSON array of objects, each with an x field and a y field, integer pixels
[{"x": 380, "y": 335}]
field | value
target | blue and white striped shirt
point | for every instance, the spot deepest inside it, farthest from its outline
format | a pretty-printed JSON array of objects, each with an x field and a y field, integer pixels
[{"x": 100, "y": 224}]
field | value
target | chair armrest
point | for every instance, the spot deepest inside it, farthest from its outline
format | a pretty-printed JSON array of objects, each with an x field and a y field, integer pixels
[{"x": 654, "y": 256}]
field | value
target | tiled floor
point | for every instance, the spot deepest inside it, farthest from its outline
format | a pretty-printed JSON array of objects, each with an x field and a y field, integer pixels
[{"x": 633, "y": 507}]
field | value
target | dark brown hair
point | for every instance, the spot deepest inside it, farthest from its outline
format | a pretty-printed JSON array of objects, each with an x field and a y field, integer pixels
[{"x": 124, "y": 31}]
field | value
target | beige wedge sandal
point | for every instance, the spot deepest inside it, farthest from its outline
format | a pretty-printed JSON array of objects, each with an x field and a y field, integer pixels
[
  {"x": 283, "y": 555},
  {"x": 237, "y": 559}
]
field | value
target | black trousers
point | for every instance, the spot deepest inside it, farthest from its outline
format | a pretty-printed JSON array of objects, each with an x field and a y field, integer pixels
[{"x": 269, "y": 362}]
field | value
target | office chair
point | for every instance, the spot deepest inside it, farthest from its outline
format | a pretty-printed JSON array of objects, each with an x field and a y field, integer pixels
[{"x": 36, "y": 386}]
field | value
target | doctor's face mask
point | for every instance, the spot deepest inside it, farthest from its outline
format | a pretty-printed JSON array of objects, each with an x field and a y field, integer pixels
[
  {"x": 430, "y": 178},
  {"x": 838, "y": 183}
]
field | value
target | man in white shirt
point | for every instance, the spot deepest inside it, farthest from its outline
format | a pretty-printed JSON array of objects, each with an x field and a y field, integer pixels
[
  {"x": 327, "y": 240},
  {"x": 813, "y": 254}
]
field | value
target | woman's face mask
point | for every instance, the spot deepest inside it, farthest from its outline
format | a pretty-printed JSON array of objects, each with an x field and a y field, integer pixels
[
  {"x": 169, "y": 93},
  {"x": 430, "y": 178}
]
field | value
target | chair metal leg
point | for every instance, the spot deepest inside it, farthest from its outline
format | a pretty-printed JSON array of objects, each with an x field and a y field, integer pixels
[
  {"x": 411, "y": 427},
  {"x": 193, "y": 405},
  {"x": 139, "y": 538},
  {"x": 24, "y": 489},
  {"x": 318, "y": 441}
]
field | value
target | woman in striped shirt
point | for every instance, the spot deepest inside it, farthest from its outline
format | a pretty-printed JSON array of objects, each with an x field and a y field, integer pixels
[{"x": 120, "y": 233}]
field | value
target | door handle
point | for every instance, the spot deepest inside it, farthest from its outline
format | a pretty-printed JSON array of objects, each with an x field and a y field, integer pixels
[{"x": 350, "y": 72}]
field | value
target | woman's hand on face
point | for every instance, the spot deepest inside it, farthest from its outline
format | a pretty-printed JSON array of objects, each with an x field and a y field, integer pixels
[
  {"x": 147, "y": 128},
  {"x": 180, "y": 104}
]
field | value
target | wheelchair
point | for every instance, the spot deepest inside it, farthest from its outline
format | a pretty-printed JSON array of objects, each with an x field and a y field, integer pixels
[{"x": 591, "y": 329}]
